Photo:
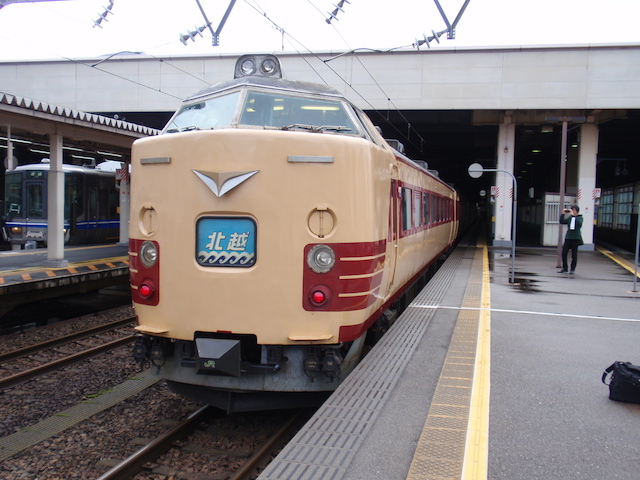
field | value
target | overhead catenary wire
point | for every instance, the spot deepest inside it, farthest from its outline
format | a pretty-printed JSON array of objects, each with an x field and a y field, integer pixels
[
  {"x": 102, "y": 66},
  {"x": 344, "y": 80}
]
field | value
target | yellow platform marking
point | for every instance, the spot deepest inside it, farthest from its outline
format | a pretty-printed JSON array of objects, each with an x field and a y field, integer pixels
[
  {"x": 477, "y": 448},
  {"x": 454, "y": 441},
  {"x": 620, "y": 261},
  {"x": 98, "y": 261}
]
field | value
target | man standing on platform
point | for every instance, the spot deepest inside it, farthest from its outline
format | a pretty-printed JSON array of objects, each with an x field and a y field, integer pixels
[{"x": 573, "y": 238}]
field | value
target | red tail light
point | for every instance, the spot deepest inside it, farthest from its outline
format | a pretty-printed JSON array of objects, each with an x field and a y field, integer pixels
[
  {"x": 146, "y": 290},
  {"x": 320, "y": 296}
]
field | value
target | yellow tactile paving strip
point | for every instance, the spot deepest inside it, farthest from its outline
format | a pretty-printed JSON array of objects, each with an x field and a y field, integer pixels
[
  {"x": 453, "y": 443},
  {"x": 30, "y": 274},
  {"x": 328, "y": 445}
]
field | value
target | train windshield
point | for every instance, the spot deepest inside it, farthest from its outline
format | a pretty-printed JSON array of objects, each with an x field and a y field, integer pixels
[
  {"x": 26, "y": 195},
  {"x": 13, "y": 183},
  {"x": 215, "y": 112},
  {"x": 273, "y": 110},
  {"x": 289, "y": 112}
]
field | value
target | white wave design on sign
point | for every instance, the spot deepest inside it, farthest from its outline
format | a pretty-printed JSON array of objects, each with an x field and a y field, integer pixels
[{"x": 226, "y": 258}]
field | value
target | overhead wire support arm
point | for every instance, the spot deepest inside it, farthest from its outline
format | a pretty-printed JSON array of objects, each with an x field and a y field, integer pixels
[
  {"x": 451, "y": 27},
  {"x": 216, "y": 34}
]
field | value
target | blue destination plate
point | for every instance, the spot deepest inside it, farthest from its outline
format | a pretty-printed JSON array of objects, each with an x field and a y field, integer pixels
[{"x": 226, "y": 242}]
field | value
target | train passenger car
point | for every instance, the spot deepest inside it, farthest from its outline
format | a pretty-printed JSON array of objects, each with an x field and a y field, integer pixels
[
  {"x": 272, "y": 228},
  {"x": 90, "y": 204}
]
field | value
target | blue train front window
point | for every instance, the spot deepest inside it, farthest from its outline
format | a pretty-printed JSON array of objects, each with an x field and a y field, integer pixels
[
  {"x": 226, "y": 242},
  {"x": 217, "y": 112},
  {"x": 13, "y": 203}
]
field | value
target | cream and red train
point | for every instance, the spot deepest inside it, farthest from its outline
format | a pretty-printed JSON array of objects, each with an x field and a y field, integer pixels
[{"x": 272, "y": 227}]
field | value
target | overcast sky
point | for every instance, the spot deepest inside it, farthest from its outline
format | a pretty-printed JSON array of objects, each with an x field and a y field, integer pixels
[{"x": 64, "y": 29}]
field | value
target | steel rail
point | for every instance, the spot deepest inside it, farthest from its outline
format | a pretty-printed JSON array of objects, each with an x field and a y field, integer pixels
[
  {"x": 56, "y": 342},
  {"x": 47, "y": 367},
  {"x": 132, "y": 465},
  {"x": 247, "y": 469}
]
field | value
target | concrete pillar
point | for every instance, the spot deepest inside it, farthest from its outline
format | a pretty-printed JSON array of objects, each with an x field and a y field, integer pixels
[
  {"x": 55, "y": 200},
  {"x": 11, "y": 162},
  {"x": 587, "y": 159},
  {"x": 504, "y": 196},
  {"x": 125, "y": 200}
]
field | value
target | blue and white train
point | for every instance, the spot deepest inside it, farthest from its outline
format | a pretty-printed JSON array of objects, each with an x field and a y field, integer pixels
[{"x": 91, "y": 212}]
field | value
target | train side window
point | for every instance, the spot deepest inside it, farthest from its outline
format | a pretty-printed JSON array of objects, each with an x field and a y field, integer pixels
[
  {"x": 425, "y": 207},
  {"x": 434, "y": 212},
  {"x": 417, "y": 211},
  {"x": 104, "y": 184},
  {"x": 373, "y": 134},
  {"x": 406, "y": 208}
]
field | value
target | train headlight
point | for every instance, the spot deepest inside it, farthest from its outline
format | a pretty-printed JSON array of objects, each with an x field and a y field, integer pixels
[
  {"x": 16, "y": 230},
  {"x": 148, "y": 254},
  {"x": 263, "y": 65},
  {"x": 268, "y": 67},
  {"x": 248, "y": 67},
  {"x": 321, "y": 259}
]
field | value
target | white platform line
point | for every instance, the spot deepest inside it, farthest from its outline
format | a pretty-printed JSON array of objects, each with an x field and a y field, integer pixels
[{"x": 528, "y": 312}]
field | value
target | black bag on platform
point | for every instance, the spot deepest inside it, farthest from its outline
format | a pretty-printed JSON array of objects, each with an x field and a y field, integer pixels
[{"x": 624, "y": 384}]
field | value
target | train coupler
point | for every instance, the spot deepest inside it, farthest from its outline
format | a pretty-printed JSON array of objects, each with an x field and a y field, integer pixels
[
  {"x": 311, "y": 364},
  {"x": 141, "y": 350},
  {"x": 158, "y": 354},
  {"x": 331, "y": 363}
]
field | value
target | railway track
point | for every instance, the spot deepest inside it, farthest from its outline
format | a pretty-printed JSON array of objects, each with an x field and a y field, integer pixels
[
  {"x": 28, "y": 374},
  {"x": 132, "y": 465},
  {"x": 86, "y": 418},
  {"x": 56, "y": 342}
]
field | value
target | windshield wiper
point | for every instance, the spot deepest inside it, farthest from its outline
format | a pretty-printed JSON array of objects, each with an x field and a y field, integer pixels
[
  {"x": 334, "y": 128},
  {"x": 183, "y": 129},
  {"x": 315, "y": 128},
  {"x": 301, "y": 126}
]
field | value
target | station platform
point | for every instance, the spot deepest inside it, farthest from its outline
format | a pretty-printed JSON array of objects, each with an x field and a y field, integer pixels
[
  {"x": 23, "y": 278},
  {"x": 481, "y": 378}
]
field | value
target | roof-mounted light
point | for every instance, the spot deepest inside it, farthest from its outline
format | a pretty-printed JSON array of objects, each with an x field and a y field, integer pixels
[{"x": 262, "y": 65}]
